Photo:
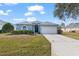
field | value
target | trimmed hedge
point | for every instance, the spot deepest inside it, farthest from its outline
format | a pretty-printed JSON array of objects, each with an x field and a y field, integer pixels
[{"x": 22, "y": 32}]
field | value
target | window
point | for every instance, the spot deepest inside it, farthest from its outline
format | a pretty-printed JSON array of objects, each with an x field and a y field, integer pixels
[
  {"x": 18, "y": 27},
  {"x": 29, "y": 27},
  {"x": 24, "y": 27}
]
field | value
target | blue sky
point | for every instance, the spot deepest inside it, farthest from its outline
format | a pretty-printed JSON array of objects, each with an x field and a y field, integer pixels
[{"x": 18, "y": 12}]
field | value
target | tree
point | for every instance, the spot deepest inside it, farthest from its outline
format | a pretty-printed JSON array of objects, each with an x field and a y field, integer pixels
[
  {"x": 62, "y": 25},
  {"x": 66, "y": 10},
  {"x": 7, "y": 27}
]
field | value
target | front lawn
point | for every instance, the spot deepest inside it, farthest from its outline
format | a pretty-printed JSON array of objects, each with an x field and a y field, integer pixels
[
  {"x": 26, "y": 45},
  {"x": 72, "y": 35}
]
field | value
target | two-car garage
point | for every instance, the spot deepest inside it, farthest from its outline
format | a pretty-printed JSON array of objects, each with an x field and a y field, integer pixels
[{"x": 48, "y": 29}]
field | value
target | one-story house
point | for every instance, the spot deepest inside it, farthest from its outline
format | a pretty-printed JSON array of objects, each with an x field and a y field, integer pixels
[
  {"x": 71, "y": 27},
  {"x": 38, "y": 27}
]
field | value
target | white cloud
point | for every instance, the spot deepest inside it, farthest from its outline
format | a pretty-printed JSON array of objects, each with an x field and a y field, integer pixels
[
  {"x": 10, "y": 4},
  {"x": 42, "y": 12},
  {"x": 5, "y": 12},
  {"x": 9, "y": 11},
  {"x": 28, "y": 14},
  {"x": 16, "y": 20},
  {"x": 36, "y": 8},
  {"x": 19, "y": 19},
  {"x": 31, "y": 19}
]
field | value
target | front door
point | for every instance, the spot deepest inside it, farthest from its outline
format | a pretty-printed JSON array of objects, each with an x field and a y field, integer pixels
[{"x": 36, "y": 28}]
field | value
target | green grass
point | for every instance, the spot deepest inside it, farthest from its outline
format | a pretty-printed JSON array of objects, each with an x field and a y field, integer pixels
[
  {"x": 24, "y": 45},
  {"x": 72, "y": 35}
]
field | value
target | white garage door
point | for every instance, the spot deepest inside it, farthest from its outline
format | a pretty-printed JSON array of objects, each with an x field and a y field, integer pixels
[{"x": 48, "y": 29}]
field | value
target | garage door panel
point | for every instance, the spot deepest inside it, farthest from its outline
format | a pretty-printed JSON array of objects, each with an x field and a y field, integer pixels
[{"x": 48, "y": 29}]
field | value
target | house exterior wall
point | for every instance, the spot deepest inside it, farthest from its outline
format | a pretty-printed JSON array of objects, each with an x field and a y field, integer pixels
[
  {"x": 66, "y": 29},
  {"x": 48, "y": 29},
  {"x": 23, "y": 27},
  {"x": 70, "y": 29}
]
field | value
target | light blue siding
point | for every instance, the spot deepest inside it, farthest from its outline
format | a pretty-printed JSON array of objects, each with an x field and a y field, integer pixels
[
  {"x": 18, "y": 27},
  {"x": 29, "y": 27},
  {"x": 23, "y": 27}
]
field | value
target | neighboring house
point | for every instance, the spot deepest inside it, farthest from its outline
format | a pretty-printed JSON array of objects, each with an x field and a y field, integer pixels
[
  {"x": 2, "y": 23},
  {"x": 37, "y": 26},
  {"x": 71, "y": 27}
]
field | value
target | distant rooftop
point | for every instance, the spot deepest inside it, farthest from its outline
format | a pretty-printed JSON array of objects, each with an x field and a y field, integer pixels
[
  {"x": 2, "y": 22},
  {"x": 73, "y": 25}
]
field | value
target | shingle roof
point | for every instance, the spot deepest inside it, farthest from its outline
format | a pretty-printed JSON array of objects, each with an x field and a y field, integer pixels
[
  {"x": 37, "y": 22},
  {"x": 47, "y": 23}
]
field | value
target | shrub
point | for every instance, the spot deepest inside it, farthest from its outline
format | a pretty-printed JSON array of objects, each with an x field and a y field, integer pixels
[
  {"x": 22, "y": 32},
  {"x": 59, "y": 31},
  {"x": 73, "y": 31},
  {"x": 0, "y": 31},
  {"x": 7, "y": 27}
]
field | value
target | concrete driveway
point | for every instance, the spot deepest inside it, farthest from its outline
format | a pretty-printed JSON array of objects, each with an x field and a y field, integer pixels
[{"x": 63, "y": 46}]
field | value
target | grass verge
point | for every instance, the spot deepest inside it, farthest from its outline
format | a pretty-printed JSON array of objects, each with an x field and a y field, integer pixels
[{"x": 72, "y": 35}]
